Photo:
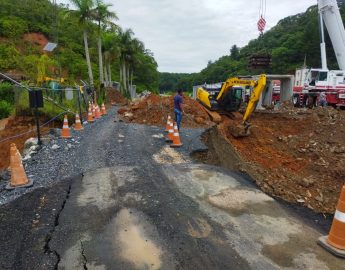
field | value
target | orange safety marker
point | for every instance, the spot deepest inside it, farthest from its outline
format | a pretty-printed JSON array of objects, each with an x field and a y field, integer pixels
[
  {"x": 65, "y": 132},
  {"x": 176, "y": 138},
  {"x": 168, "y": 124},
  {"x": 104, "y": 111},
  {"x": 169, "y": 137},
  {"x": 335, "y": 241},
  {"x": 89, "y": 116},
  {"x": 78, "y": 125},
  {"x": 93, "y": 111},
  {"x": 18, "y": 175},
  {"x": 97, "y": 113}
]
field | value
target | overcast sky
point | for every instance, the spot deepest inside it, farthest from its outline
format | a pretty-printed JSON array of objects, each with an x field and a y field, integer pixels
[{"x": 185, "y": 34}]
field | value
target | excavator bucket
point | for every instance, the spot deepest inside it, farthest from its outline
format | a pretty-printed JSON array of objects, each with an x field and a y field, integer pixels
[{"x": 240, "y": 131}]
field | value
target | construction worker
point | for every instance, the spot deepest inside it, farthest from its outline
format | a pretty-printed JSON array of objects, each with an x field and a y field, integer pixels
[
  {"x": 322, "y": 99},
  {"x": 178, "y": 107}
]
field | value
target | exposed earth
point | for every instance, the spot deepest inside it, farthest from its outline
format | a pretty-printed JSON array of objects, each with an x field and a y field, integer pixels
[{"x": 153, "y": 110}]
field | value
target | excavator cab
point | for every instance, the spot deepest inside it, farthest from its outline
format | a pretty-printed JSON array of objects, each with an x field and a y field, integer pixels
[{"x": 232, "y": 100}]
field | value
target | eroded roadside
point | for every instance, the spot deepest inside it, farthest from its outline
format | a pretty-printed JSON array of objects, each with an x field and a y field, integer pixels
[{"x": 220, "y": 152}]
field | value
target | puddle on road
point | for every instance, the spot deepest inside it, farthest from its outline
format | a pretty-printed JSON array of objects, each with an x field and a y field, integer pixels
[
  {"x": 134, "y": 245},
  {"x": 168, "y": 155}
]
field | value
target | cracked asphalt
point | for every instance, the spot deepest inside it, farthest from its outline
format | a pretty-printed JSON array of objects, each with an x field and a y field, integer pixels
[{"x": 123, "y": 199}]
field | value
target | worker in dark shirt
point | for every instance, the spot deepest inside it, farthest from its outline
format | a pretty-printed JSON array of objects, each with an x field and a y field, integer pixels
[{"x": 178, "y": 108}]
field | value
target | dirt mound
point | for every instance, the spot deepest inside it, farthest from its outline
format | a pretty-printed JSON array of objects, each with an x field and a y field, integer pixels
[
  {"x": 297, "y": 155},
  {"x": 153, "y": 110},
  {"x": 115, "y": 97}
]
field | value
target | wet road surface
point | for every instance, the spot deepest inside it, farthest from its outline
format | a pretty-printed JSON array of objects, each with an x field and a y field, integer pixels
[{"x": 138, "y": 204}]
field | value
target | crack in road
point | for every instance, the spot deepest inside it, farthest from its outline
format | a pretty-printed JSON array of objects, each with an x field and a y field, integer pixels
[
  {"x": 47, "y": 249},
  {"x": 83, "y": 255}
]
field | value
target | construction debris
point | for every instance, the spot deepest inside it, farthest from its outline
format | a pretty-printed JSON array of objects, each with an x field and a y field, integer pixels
[{"x": 153, "y": 110}]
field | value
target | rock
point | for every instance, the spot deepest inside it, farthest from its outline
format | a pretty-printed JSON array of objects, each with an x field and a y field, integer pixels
[
  {"x": 55, "y": 146},
  {"x": 30, "y": 143},
  {"x": 27, "y": 157},
  {"x": 300, "y": 201},
  {"x": 306, "y": 182},
  {"x": 199, "y": 120},
  {"x": 340, "y": 150},
  {"x": 319, "y": 198},
  {"x": 308, "y": 194},
  {"x": 128, "y": 114},
  {"x": 69, "y": 146}
]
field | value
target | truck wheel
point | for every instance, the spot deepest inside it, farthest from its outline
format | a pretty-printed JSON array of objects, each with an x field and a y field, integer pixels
[{"x": 295, "y": 100}]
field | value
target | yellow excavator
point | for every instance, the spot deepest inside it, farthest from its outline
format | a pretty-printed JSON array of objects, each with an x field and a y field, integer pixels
[{"x": 229, "y": 98}]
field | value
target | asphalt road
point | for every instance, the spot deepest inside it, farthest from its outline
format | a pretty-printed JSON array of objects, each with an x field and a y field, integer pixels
[{"x": 128, "y": 201}]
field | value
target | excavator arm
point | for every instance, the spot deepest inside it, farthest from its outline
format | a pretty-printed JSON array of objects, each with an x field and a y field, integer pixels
[
  {"x": 255, "y": 97},
  {"x": 242, "y": 130}
]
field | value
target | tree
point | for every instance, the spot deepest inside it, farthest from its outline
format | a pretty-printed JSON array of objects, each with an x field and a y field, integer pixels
[
  {"x": 84, "y": 14},
  {"x": 111, "y": 53},
  {"x": 103, "y": 17},
  {"x": 234, "y": 53}
]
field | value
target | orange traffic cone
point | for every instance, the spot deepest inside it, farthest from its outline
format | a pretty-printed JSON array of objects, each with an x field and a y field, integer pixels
[
  {"x": 93, "y": 111},
  {"x": 89, "y": 116},
  {"x": 104, "y": 111},
  {"x": 18, "y": 175},
  {"x": 169, "y": 137},
  {"x": 168, "y": 124},
  {"x": 176, "y": 138},
  {"x": 65, "y": 132},
  {"x": 335, "y": 241},
  {"x": 78, "y": 125},
  {"x": 97, "y": 113}
]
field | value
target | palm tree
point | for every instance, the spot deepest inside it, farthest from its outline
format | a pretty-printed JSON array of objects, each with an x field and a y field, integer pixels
[
  {"x": 125, "y": 40},
  {"x": 111, "y": 52},
  {"x": 84, "y": 13},
  {"x": 103, "y": 17}
]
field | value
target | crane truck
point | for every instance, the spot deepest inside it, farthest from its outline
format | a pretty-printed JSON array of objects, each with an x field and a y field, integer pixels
[{"x": 309, "y": 83}]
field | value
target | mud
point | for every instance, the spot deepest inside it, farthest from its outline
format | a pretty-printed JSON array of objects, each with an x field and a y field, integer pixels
[{"x": 136, "y": 246}]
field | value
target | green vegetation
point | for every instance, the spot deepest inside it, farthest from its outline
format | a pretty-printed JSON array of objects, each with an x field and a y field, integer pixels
[
  {"x": 89, "y": 44},
  {"x": 291, "y": 41}
]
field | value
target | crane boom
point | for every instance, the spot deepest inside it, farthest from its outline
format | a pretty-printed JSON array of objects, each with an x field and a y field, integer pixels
[{"x": 330, "y": 14}]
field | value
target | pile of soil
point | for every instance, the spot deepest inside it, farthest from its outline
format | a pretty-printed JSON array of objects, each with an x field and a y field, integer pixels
[
  {"x": 295, "y": 154},
  {"x": 115, "y": 97},
  {"x": 154, "y": 109}
]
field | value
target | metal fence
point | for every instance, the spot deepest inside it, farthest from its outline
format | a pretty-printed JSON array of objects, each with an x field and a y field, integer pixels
[{"x": 57, "y": 101}]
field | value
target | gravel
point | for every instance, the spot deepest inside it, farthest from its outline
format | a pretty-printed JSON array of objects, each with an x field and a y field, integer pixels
[{"x": 101, "y": 144}]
